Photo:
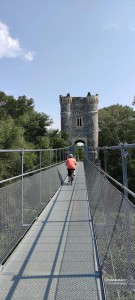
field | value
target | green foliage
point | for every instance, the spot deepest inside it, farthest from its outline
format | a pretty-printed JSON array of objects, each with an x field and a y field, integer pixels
[
  {"x": 36, "y": 127},
  {"x": 21, "y": 119},
  {"x": 64, "y": 136},
  {"x": 79, "y": 152},
  {"x": 44, "y": 142},
  {"x": 21, "y": 127},
  {"x": 117, "y": 126},
  {"x": 56, "y": 141}
]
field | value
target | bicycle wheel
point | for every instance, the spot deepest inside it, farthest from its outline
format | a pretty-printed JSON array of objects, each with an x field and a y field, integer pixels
[{"x": 71, "y": 178}]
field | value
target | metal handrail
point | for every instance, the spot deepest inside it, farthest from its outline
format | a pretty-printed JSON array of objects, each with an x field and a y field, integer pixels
[
  {"x": 117, "y": 147},
  {"x": 28, "y": 173}
]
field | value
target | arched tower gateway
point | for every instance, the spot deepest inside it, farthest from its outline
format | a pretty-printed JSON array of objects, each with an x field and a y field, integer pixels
[{"x": 79, "y": 119}]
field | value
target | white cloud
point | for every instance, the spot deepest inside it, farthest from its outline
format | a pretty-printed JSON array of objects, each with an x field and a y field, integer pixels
[
  {"x": 10, "y": 47},
  {"x": 29, "y": 55}
]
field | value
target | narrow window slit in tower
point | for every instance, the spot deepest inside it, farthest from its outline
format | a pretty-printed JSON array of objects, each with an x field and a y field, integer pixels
[{"x": 79, "y": 122}]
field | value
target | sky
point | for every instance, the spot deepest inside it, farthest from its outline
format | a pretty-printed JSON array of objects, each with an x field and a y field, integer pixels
[{"x": 54, "y": 47}]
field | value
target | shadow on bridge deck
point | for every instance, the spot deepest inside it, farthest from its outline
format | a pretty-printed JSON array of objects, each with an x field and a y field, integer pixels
[{"x": 56, "y": 258}]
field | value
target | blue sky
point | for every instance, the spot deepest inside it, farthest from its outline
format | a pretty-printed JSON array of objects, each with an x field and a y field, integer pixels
[{"x": 54, "y": 47}]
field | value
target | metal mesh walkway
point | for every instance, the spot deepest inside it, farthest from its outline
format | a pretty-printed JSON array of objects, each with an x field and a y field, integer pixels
[{"x": 56, "y": 258}]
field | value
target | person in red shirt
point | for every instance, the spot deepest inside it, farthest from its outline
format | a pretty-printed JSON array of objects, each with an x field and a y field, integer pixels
[{"x": 71, "y": 164}]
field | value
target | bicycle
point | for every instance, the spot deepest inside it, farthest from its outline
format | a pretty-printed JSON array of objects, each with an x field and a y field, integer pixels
[{"x": 71, "y": 176}]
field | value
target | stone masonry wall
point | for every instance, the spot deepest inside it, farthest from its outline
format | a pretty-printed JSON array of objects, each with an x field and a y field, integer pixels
[{"x": 79, "y": 118}]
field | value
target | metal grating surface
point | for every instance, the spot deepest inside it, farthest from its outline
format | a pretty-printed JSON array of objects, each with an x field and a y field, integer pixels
[{"x": 56, "y": 259}]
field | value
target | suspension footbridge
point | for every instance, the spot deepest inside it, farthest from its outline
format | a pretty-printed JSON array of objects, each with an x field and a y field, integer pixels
[{"x": 66, "y": 242}]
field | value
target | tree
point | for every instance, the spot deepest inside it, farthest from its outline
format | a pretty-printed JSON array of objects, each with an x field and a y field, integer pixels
[
  {"x": 56, "y": 141},
  {"x": 10, "y": 134},
  {"x": 24, "y": 105},
  {"x": 116, "y": 125},
  {"x": 21, "y": 127},
  {"x": 12, "y": 137},
  {"x": 35, "y": 125}
]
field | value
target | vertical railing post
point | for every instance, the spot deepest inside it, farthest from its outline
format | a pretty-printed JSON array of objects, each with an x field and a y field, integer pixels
[
  {"x": 60, "y": 156},
  {"x": 105, "y": 159},
  {"x": 98, "y": 163},
  {"x": 50, "y": 174},
  {"x": 56, "y": 156},
  {"x": 128, "y": 241},
  {"x": 127, "y": 217},
  {"x": 40, "y": 166},
  {"x": 22, "y": 185},
  {"x": 65, "y": 153},
  {"x": 124, "y": 168}
]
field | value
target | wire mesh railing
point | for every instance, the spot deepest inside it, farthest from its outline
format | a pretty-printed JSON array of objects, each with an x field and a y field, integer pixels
[
  {"x": 23, "y": 196},
  {"x": 119, "y": 162},
  {"x": 113, "y": 217}
]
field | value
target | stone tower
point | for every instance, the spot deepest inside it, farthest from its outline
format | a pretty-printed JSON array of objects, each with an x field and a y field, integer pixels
[{"x": 79, "y": 119}]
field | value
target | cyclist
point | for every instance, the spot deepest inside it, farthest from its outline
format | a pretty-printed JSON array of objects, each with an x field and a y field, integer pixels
[{"x": 71, "y": 165}]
